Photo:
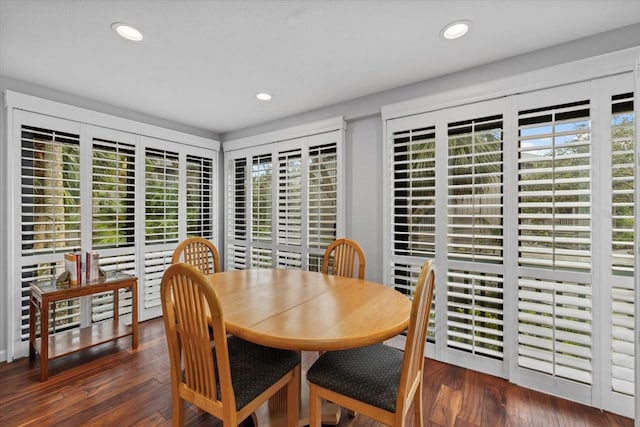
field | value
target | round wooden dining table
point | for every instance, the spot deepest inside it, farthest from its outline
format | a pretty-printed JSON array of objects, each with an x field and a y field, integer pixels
[
  {"x": 308, "y": 311},
  {"x": 303, "y": 310}
]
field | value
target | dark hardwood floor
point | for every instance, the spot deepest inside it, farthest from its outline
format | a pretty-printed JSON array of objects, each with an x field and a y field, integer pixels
[{"x": 113, "y": 385}]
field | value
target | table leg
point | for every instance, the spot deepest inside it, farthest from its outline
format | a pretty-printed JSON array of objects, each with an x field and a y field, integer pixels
[
  {"x": 134, "y": 315},
  {"x": 116, "y": 306},
  {"x": 44, "y": 339},
  {"x": 32, "y": 328},
  {"x": 273, "y": 414}
]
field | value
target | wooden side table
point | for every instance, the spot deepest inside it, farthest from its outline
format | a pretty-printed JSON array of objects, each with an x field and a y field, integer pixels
[{"x": 63, "y": 343}]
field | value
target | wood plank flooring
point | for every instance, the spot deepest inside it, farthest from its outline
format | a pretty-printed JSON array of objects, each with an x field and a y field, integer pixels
[{"x": 114, "y": 385}]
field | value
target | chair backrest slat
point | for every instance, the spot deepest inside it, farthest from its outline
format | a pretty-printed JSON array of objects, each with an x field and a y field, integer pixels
[
  {"x": 200, "y": 253},
  {"x": 187, "y": 301},
  {"x": 413, "y": 362},
  {"x": 343, "y": 253}
]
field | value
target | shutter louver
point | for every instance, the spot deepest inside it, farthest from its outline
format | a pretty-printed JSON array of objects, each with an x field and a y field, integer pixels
[
  {"x": 554, "y": 328},
  {"x": 161, "y": 196},
  {"x": 404, "y": 278},
  {"x": 475, "y": 190},
  {"x": 155, "y": 264},
  {"x": 261, "y": 258},
  {"x": 102, "y": 304},
  {"x": 199, "y": 197},
  {"x": 50, "y": 216},
  {"x": 622, "y": 241},
  {"x": 261, "y": 211},
  {"x": 113, "y": 218},
  {"x": 113, "y": 195},
  {"x": 413, "y": 201},
  {"x": 322, "y": 193},
  {"x": 261, "y": 198},
  {"x": 282, "y": 204},
  {"x": 237, "y": 257},
  {"x": 290, "y": 209},
  {"x": 314, "y": 262},
  {"x": 475, "y": 235},
  {"x": 554, "y": 316},
  {"x": 63, "y": 314},
  {"x": 239, "y": 226},
  {"x": 161, "y": 219},
  {"x": 475, "y": 313},
  {"x": 414, "y": 192},
  {"x": 555, "y": 187},
  {"x": 237, "y": 215},
  {"x": 50, "y": 186}
]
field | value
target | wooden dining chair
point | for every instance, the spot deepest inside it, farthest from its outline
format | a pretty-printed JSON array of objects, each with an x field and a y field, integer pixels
[
  {"x": 230, "y": 380},
  {"x": 342, "y": 254},
  {"x": 198, "y": 252},
  {"x": 378, "y": 381}
]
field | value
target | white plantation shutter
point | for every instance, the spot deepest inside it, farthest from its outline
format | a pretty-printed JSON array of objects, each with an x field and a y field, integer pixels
[
  {"x": 199, "y": 196},
  {"x": 322, "y": 209},
  {"x": 113, "y": 194},
  {"x": 50, "y": 212},
  {"x": 414, "y": 192},
  {"x": 123, "y": 260},
  {"x": 554, "y": 328},
  {"x": 261, "y": 211},
  {"x": 475, "y": 190},
  {"x": 161, "y": 220},
  {"x": 474, "y": 313},
  {"x": 283, "y": 201},
  {"x": 113, "y": 218},
  {"x": 554, "y": 208},
  {"x": 554, "y": 213},
  {"x": 161, "y": 196},
  {"x": 622, "y": 238},
  {"x": 404, "y": 277},
  {"x": 622, "y": 149},
  {"x": 290, "y": 209},
  {"x": 62, "y": 315},
  {"x": 413, "y": 229},
  {"x": 236, "y": 252},
  {"x": 526, "y": 204},
  {"x": 120, "y": 188},
  {"x": 50, "y": 185},
  {"x": 475, "y": 235},
  {"x": 155, "y": 263}
]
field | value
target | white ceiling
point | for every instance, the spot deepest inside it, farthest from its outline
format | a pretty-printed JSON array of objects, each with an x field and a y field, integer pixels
[{"x": 202, "y": 62}]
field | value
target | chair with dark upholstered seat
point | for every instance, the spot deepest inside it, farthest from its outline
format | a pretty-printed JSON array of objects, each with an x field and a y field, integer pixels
[
  {"x": 234, "y": 378},
  {"x": 378, "y": 381},
  {"x": 342, "y": 254},
  {"x": 199, "y": 252}
]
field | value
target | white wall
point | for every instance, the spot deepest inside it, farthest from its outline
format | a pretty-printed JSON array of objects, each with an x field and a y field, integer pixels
[{"x": 363, "y": 184}]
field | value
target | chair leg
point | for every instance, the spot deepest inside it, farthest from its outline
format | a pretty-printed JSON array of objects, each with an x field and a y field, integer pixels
[
  {"x": 315, "y": 407},
  {"x": 417, "y": 406},
  {"x": 178, "y": 411},
  {"x": 231, "y": 420},
  {"x": 293, "y": 398}
]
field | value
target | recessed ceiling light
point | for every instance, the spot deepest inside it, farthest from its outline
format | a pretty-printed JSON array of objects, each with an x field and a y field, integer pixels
[
  {"x": 455, "y": 29},
  {"x": 263, "y": 96},
  {"x": 127, "y": 31}
]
